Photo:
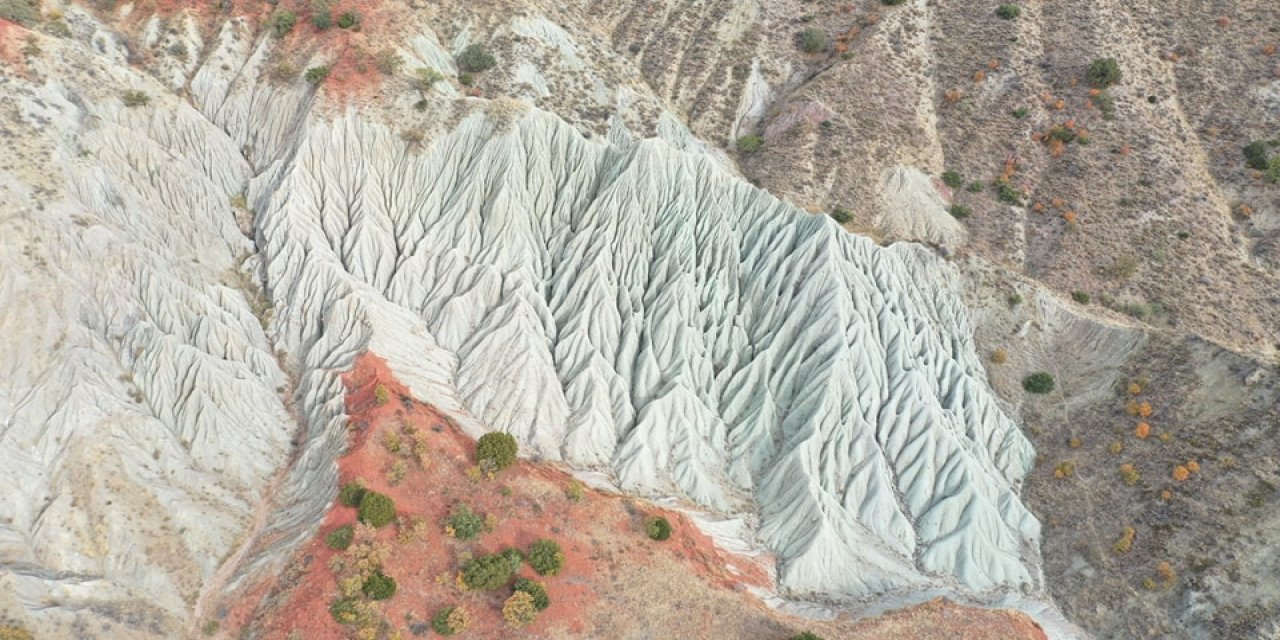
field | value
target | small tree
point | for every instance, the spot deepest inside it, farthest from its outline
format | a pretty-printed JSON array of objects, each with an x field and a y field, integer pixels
[
  {"x": 1009, "y": 11},
  {"x": 496, "y": 450},
  {"x": 519, "y": 610},
  {"x": 316, "y": 75},
  {"x": 463, "y": 523},
  {"x": 546, "y": 557},
  {"x": 340, "y": 538},
  {"x": 657, "y": 528},
  {"x": 813, "y": 41},
  {"x": 476, "y": 58},
  {"x": 1103, "y": 73},
  {"x": 450, "y": 621},
  {"x": 379, "y": 586},
  {"x": 750, "y": 143},
  {"x": 535, "y": 589},
  {"x": 1040, "y": 382},
  {"x": 377, "y": 510},
  {"x": 282, "y": 22}
]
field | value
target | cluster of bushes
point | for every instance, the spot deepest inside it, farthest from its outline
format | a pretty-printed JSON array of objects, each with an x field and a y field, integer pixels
[
  {"x": 493, "y": 571},
  {"x": 450, "y": 620},
  {"x": 375, "y": 509}
]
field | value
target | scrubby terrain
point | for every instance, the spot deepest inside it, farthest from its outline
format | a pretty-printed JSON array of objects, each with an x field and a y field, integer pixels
[{"x": 783, "y": 268}]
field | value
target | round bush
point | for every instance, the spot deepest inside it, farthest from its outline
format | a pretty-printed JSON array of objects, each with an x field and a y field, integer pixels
[
  {"x": 449, "y": 621},
  {"x": 340, "y": 538},
  {"x": 750, "y": 144},
  {"x": 496, "y": 448},
  {"x": 1038, "y": 383},
  {"x": 376, "y": 509},
  {"x": 350, "y": 494},
  {"x": 476, "y": 58},
  {"x": 546, "y": 557},
  {"x": 348, "y": 20},
  {"x": 1009, "y": 11},
  {"x": 490, "y": 572},
  {"x": 657, "y": 528},
  {"x": 539, "y": 592},
  {"x": 379, "y": 586},
  {"x": 1103, "y": 73},
  {"x": 465, "y": 524},
  {"x": 813, "y": 41}
]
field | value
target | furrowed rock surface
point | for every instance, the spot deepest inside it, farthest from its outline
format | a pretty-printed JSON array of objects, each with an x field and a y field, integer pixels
[{"x": 174, "y": 404}]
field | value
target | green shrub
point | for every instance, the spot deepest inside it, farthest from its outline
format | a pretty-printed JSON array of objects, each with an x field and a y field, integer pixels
[
  {"x": 975, "y": 187},
  {"x": 316, "y": 75},
  {"x": 535, "y": 589},
  {"x": 424, "y": 78},
  {"x": 23, "y": 12},
  {"x": 490, "y": 572},
  {"x": 1255, "y": 155},
  {"x": 476, "y": 58},
  {"x": 377, "y": 510},
  {"x": 450, "y": 621},
  {"x": 321, "y": 19},
  {"x": 1038, "y": 383},
  {"x": 1062, "y": 133},
  {"x": 135, "y": 98},
  {"x": 465, "y": 524},
  {"x": 344, "y": 610},
  {"x": 379, "y": 586},
  {"x": 952, "y": 179},
  {"x": 496, "y": 450},
  {"x": 1009, "y": 11},
  {"x": 805, "y": 636},
  {"x": 959, "y": 211},
  {"x": 893, "y": 3},
  {"x": 546, "y": 557},
  {"x": 351, "y": 493},
  {"x": 1006, "y": 193},
  {"x": 750, "y": 143},
  {"x": 1082, "y": 297},
  {"x": 657, "y": 528},
  {"x": 281, "y": 22},
  {"x": 1106, "y": 105},
  {"x": 1273, "y": 171},
  {"x": 340, "y": 538},
  {"x": 841, "y": 215},
  {"x": 348, "y": 20},
  {"x": 1021, "y": 112},
  {"x": 813, "y": 41},
  {"x": 1103, "y": 72}
]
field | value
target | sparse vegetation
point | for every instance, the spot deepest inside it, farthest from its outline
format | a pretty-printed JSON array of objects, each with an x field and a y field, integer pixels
[
  {"x": 23, "y": 12},
  {"x": 376, "y": 509},
  {"x": 135, "y": 98},
  {"x": 463, "y": 523},
  {"x": 576, "y": 490},
  {"x": 388, "y": 61},
  {"x": 1125, "y": 542},
  {"x": 1129, "y": 474},
  {"x": 657, "y": 528},
  {"x": 975, "y": 187},
  {"x": 750, "y": 143},
  {"x": 1009, "y": 195},
  {"x": 536, "y": 590},
  {"x": 1040, "y": 382},
  {"x": 381, "y": 395},
  {"x": 282, "y": 22},
  {"x": 813, "y": 41},
  {"x": 496, "y": 450},
  {"x": 340, "y": 538},
  {"x": 546, "y": 557},
  {"x": 1106, "y": 105},
  {"x": 476, "y": 58},
  {"x": 379, "y": 586},
  {"x": 1008, "y": 11},
  {"x": 316, "y": 75},
  {"x": 1103, "y": 72},
  {"x": 424, "y": 78},
  {"x": 450, "y": 621}
]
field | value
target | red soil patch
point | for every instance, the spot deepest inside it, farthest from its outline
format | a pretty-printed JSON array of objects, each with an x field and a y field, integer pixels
[
  {"x": 615, "y": 581},
  {"x": 12, "y": 37}
]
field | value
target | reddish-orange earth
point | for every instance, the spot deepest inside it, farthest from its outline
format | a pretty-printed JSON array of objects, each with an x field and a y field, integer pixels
[{"x": 616, "y": 583}]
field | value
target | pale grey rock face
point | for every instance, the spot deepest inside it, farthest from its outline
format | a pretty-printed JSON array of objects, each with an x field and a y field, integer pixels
[{"x": 619, "y": 304}]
